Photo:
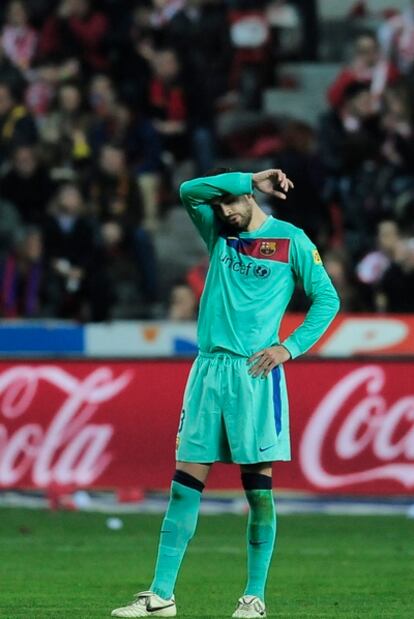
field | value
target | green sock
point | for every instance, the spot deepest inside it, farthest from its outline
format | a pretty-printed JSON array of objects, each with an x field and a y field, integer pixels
[
  {"x": 261, "y": 534},
  {"x": 177, "y": 530}
]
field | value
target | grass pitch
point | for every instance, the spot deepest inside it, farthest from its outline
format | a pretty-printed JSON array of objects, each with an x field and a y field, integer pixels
[{"x": 58, "y": 565}]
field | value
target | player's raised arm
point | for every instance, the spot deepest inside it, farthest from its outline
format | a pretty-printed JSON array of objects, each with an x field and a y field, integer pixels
[
  {"x": 308, "y": 266},
  {"x": 198, "y": 193}
]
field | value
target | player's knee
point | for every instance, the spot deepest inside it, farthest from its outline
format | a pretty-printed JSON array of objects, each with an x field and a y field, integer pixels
[
  {"x": 188, "y": 481},
  {"x": 252, "y": 480}
]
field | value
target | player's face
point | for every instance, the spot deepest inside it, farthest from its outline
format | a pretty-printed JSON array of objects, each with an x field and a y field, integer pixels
[{"x": 235, "y": 211}]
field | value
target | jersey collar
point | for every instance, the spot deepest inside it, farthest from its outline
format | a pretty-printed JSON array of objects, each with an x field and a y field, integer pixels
[{"x": 265, "y": 225}]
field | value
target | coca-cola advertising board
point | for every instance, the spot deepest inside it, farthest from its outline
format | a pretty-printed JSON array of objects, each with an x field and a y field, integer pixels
[{"x": 93, "y": 424}]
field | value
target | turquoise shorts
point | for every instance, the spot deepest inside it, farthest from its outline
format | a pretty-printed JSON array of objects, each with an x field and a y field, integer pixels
[{"x": 229, "y": 416}]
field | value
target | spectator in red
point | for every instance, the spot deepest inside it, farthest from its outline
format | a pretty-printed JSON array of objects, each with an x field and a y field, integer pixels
[
  {"x": 396, "y": 36},
  {"x": 196, "y": 277},
  {"x": 76, "y": 30},
  {"x": 19, "y": 38},
  {"x": 367, "y": 67},
  {"x": 168, "y": 106}
]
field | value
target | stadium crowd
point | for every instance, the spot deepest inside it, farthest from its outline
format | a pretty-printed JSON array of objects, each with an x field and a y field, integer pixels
[{"x": 102, "y": 102}]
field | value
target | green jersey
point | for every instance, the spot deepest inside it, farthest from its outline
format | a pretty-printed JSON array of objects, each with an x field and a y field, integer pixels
[{"x": 252, "y": 276}]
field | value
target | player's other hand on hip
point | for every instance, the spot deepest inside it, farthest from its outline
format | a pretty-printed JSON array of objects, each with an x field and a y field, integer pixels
[
  {"x": 264, "y": 361},
  {"x": 272, "y": 182}
]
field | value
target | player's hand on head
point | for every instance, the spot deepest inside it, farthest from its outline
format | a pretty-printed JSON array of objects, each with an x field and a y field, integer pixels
[
  {"x": 272, "y": 182},
  {"x": 264, "y": 361}
]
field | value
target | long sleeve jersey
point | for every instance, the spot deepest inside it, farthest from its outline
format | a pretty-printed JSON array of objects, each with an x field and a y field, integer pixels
[{"x": 252, "y": 276}]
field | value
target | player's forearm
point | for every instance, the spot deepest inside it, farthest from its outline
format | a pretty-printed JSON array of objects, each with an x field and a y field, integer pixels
[
  {"x": 204, "y": 189},
  {"x": 325, "y": 306}
]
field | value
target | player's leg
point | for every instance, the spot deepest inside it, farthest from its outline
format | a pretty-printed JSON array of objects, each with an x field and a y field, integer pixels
[
  {"x": 179, "y": 524},
  {"x": 177, "y": 529},
  {"x": 198, "y": 440},
  {"x": 261, "y": 534},
  {"x": 261, "y": 526}
]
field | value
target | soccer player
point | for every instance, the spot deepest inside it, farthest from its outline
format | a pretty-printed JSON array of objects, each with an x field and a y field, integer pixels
[{"x": 235, "y": 405}]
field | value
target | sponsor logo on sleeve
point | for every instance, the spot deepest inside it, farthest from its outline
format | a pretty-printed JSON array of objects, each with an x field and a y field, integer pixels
[{"x": 316, "y": 257}]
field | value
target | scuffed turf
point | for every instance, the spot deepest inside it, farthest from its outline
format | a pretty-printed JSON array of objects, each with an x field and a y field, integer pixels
[{"x": 61, "y": 565}]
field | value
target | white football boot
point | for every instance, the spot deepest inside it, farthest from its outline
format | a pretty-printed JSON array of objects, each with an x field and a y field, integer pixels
[
  {"x": 147, "y": 604},
  {"x": 250, "y": 606}
]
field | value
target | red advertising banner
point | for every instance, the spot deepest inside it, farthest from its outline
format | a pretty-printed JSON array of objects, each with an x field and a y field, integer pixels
[{"x": 113, "y": 425}]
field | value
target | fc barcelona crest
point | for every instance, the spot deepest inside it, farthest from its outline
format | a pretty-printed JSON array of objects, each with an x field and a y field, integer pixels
[{"x": 268, "y": 248}]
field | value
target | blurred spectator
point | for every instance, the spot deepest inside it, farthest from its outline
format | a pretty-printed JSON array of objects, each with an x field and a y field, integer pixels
[
  {"x": 64, "y": 132},
  {"x": 102, "y": 94},
  {"x": 350, "y": 141},
  {"x": 22, "y": 277},
  {"x": 183, "y": 303},
  {"x": 196, "y": 277},
  {"x": 132, "y": 60},
  {"x": 17, "y": 127},
  {"x": 396, "y": 288},
  {"x": 391, "y": 259},
  {"x": 18, "y": 37},
  {"x": 337, "y": 267},
  {"x": 112, "y": 189},
  {"x": 350, "y": 134},
  {"x": 250, "y": 37},
  {"x": 10, "y": 226},
  {"x": 398, "y": 146},
  {"x": 39, "y": 10},
  {"x": 201, "y": 35},
  {"x": 396, "y": 36},
  {"x": 77, "y": 285},
  {"x": 373, "y": 266},
  {"x": 10, "y": 74},
  {"x": 28, "y": 185},
  {"x": 44, "y": 79},
  {"x": 297, "y": 156},
  {"x": 76, "y": 30},
  {"x": 164, "y": 11},
  {"x": 167, "y": 103},
  {"x": 114, "y": 122},
  {"x": 367, "y": 67},
  {"x": 116, "y": 202}
]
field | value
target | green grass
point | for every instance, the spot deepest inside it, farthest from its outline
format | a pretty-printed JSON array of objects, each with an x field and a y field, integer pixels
[{"x": 70, "y": 565}]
